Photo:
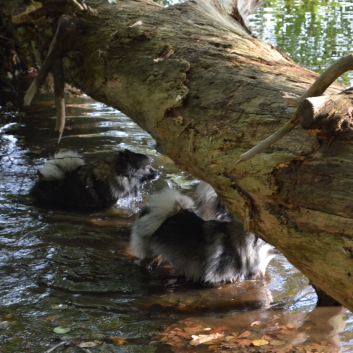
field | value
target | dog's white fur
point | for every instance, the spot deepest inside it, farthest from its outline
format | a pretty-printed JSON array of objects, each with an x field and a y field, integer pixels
[
  {"x": 160, "y": 207},
  {"x": 61, "y": 163}
]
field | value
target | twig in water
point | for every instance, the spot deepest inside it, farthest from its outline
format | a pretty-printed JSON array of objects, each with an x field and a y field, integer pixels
[{"x": 58, "y": 345}]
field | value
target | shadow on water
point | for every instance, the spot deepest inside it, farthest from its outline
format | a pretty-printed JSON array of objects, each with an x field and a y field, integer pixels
[{"x": 69, "y": 282}]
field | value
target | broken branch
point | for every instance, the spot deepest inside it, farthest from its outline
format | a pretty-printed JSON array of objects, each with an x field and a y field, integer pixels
[{"x": 317, "y": 89}]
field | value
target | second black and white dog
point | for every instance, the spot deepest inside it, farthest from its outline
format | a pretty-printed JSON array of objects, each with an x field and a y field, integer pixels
[
  {"x": 215, "y": 250},
  {"x": 68, "y": 180}
]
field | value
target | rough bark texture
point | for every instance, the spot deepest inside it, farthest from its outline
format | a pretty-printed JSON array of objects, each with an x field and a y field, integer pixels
[{"x": 207, "y": 91}]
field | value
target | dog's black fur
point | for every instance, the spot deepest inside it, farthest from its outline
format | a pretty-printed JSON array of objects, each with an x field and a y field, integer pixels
[
  {"x": 214, "y": 251},
  {"x": 67, "y": 180}
]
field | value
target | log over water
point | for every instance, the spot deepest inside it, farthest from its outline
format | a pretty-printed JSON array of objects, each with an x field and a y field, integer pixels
[{"x": 207, "y": 91}]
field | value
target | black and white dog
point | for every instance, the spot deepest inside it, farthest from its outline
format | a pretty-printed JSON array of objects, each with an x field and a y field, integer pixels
[
  {"x": 68, "y": 180},
  {"x": 215, "y": 250}
]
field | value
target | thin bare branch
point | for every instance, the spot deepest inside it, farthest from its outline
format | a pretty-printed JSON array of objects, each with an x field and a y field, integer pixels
[
  {"x": 59, "y": 86},
  {"x": 44, "y": 70},
  {"x": 58, "y": 345},
  {"x": 290, "y": 125},
  {"x": 317, "y": 89}
]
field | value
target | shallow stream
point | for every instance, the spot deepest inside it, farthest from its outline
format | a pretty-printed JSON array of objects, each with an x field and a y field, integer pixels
[
  {"x": 68, "y": 279},
  {"x": 68, "y": 282}
]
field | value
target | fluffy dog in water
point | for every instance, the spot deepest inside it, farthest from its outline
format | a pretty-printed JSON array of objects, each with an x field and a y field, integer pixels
[
  {"x": 212, "y": 251},
  {"x": 67, "y": 180}
]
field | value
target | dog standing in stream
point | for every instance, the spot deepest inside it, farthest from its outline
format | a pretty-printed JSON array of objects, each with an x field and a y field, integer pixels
[
  {"x": 68, "y": 180},
  {"x": 216, "y": 250}
]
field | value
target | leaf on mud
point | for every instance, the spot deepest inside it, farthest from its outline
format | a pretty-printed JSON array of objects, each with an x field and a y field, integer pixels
[
  {"x": 60, "y": 329},
  {"x": 277, "y": 342},
  {"x": 118, "y": 341},
  {"x": 138, "y": 23},
  {"x": 213, "y": 347},
  {"x": 87, "y": 344},
  {"x": 244, "y": 342},
  {"x": 220, "y": 329},
  {"x": 244, "y": 334},
  {"x": 260, "y": 342},
  {"x": 255, "y": 323},
  {"x": 196, "y": 340}
]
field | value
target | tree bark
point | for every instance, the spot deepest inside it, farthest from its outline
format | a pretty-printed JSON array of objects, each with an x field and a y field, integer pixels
[{"x": 207, "y": 90}]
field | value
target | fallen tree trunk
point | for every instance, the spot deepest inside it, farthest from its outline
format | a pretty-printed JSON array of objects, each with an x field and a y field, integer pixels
[{"x": 196, "y": 80}]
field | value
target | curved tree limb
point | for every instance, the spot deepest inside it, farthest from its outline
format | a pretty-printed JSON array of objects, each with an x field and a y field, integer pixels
[{"x": 317, "y": 89}]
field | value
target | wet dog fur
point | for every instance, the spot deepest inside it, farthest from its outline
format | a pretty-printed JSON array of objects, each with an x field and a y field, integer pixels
[
  {"x": 68, "y": 180},
  {"x": 214, "y": 251}
]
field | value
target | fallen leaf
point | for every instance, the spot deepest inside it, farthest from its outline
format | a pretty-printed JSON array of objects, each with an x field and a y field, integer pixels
[
  {"x": 260, "y": 342},
  {"x": 277, "y": 342},
  {"x": 244, "y": 334},
  {"x": 118, "y": 341},
  {"x": 228, "y": 345},
  {"x": 60, "y": 329},
  {"x": 255, "y": 323},
  {"x": 138, "y": 23},
  {"x": 87, "y": 344},
  {"x": 220, "y": 329},
  {"x": 171, "y": 52},
  {"x": 212, "y": 347},
  {"x": 244, "y": 342},
  {"x": 198, "y": 339}
]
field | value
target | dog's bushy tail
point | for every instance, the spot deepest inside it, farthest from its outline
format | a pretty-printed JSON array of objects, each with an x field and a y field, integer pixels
[
  {"x": 209, "y": 206},
  {"x": 61, "y": 163},
  {"x": 159, "y": 207}
]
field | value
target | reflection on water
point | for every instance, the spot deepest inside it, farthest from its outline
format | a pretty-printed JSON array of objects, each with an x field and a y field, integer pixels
[
  {"x": 74, "y": 270},
  {"x": 313, "y": 33}
]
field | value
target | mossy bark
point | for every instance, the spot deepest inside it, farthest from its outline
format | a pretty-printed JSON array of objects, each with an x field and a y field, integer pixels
[{"x": 208, "y": 91}]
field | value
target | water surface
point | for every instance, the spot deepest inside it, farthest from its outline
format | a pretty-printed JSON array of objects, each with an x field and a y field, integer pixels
[
  {"x": 69, "y": 279},
  {"x": 74, "y": 271},
  {"x": 313, "y": 33}
]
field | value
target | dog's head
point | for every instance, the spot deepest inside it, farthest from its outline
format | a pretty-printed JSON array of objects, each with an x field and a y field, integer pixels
[{"x": 135, "y": 165}]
